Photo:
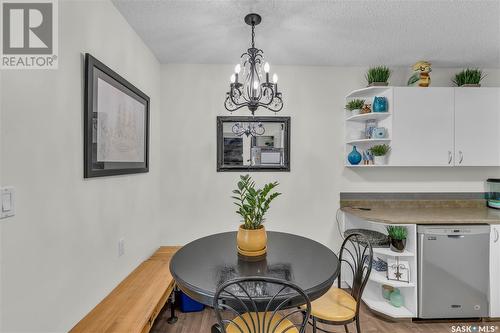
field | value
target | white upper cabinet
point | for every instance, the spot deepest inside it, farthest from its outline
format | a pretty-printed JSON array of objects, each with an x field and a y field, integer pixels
[
  {"x": 423, "y": 127},
  {"x": 477, "y": 126},
  {"x": 495, "y": 272}
]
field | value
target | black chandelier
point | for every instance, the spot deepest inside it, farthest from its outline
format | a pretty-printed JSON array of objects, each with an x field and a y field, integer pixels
[{"x": 254, "y": 91}]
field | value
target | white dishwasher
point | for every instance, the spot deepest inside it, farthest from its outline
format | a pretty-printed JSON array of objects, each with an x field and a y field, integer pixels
[{"x": 453, "y": 271}]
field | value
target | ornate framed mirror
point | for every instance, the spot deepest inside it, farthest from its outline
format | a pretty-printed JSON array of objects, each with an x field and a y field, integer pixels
[{"x": 253, "y": 144}]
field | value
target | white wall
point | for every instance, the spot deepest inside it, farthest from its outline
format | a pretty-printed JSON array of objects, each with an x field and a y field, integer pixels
[
  {"x": 196, "y": 198},
  {"x": 1, "y": 159},
  {"x": 60, "y": 252}
]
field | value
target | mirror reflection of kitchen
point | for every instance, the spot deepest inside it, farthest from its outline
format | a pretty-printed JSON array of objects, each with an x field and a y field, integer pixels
[{"x": 253, "y": 144}]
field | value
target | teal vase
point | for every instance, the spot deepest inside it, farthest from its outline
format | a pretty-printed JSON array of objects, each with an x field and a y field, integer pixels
[
  {"x": 354, "y": 156},
  {"x": 397, "y": 299},
  {"x": 380, "y": 104}
]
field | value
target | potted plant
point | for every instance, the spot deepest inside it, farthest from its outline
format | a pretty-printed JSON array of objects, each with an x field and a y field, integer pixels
[
  {"x": 397, "y": 237},
  {"x": 355, "y": 106},
  {"x": 378, "y": 76},
  {"x": 380, "y": 153},
  {"x": 470, "y": 77},
  {"x": 253, "y": 203}
]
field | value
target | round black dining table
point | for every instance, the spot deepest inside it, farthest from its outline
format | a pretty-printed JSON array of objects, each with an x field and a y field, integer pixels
[{"x": 202, "y": 265}]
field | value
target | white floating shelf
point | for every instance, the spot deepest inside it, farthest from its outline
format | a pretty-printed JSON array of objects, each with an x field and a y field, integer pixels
[
  {"x": 367, "y": 92},
  {"x": 380, "y": 277},
  {"x": 367, "y": 141},
  {"x": 388, "y": 252},
  {"x": 368, "y": 116}
]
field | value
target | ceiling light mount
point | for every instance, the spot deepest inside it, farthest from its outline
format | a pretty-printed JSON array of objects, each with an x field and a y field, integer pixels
[{"x": 253, "y": 19}]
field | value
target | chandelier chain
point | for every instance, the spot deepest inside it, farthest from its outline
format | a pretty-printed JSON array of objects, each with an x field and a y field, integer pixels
[{"x": 253, "y": 35}]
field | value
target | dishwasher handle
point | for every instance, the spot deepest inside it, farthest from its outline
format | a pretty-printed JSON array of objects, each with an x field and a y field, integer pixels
[{"x": 456, "y": 236}]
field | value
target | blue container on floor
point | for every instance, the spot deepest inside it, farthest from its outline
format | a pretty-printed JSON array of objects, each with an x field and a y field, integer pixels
[{"x": 187, "y": 304}]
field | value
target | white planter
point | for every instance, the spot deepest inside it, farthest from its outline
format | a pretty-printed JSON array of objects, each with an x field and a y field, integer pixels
[
  {"x": 355, "y": 112},
  {"x": 380, "y": 160}
]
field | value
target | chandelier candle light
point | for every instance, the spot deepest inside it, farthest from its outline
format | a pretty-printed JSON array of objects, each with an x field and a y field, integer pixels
[{"x": 253, "y": 91}]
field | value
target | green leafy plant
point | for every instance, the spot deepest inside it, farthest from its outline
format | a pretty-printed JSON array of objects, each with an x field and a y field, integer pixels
[
  {"x": 355, "y": 104},
  {"x": 397, "y": 232},
  {"x": 378, "y": 74},
  {"x": 253, "y": 203},
  {"x": 468, "y": 76},
  {"x": 380, "y": 150}
]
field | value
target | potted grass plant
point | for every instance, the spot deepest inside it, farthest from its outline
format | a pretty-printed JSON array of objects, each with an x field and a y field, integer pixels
[
  {"x": 469, "y": 77},
  {"x": 397, "y": 237},
  {"x": 380, "y": 153},
  {"x": 253, "y": 204},
  {"x": 355, "y": 106},
  {"x": 378, "y": 76}
]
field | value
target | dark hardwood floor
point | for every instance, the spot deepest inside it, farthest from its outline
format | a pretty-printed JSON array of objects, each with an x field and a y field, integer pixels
[{"x": 200, "y": 322}]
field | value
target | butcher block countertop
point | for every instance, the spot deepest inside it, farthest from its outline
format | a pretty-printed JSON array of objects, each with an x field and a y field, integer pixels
[{"x": 404, "y": 212}]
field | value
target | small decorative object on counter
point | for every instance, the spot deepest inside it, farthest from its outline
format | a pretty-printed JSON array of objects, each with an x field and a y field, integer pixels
[
  {"x": 354, "y": 156},
  {"x": 470, "y": 77},
  {"x": 398, "y": 270},
  {"x": 397, "y": 300},
  {"x": 379, "y": 132},
  {"x": 378, "y": 76},
  {"x": 380, "y": 153},
  {"x": 367, "y": 108},
  {"x": 397, "y": 237},
  {"x": 421, "y": 75},
  {"x": 355, "y": 106},
  {"x": 252, "y": 206},
  {"x": 376, "y": 238},
  {"x": 379, "y": 104},
  {"x": 493, "y": 194},
  {"x": 386, "y": 291}
]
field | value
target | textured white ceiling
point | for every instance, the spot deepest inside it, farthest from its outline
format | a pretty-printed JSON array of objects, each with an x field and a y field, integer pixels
[{"x": 449, "y": 33}]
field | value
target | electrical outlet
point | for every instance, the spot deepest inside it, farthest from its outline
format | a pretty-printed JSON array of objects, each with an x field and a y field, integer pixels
[{"x": 121, "y": 247}]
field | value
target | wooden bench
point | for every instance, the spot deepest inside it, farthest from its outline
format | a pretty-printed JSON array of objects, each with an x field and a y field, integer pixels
[{"x": 134, "y": 304}]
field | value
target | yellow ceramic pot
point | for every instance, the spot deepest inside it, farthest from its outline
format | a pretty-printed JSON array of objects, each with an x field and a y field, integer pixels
[{"x": 252, "y": 242}]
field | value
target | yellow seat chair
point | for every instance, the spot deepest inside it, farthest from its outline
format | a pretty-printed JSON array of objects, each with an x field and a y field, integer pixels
[
  {"x": 337, "y": 306},
  {"x": 275, "y": 323},
  {"x": 261, "y": 305}
]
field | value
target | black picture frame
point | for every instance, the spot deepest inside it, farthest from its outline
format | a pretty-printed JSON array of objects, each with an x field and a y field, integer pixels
[
  {"x": 237, "y": 168},
  {"x": 94, "y": 70}
]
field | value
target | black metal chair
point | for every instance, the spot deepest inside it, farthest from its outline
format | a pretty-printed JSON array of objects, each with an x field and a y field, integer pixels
[
  {"x": 261, "y": 305},
  {"x": 337, "y": 306}
]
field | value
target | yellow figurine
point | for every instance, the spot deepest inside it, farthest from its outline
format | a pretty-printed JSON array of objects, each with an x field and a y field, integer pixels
[{"x": 421, "y": 76}]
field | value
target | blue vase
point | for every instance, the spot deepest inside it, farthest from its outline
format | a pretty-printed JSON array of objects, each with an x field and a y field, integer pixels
[
  {"x": 379, "y": 104},
  {"x": 354, "y": 156}
]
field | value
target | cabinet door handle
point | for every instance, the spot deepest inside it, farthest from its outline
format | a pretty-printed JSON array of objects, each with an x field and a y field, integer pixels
[
  {"x": 497, "y": 236},
  {"x": 450, "y": 157},
  {"x": 461, "y": 157}
]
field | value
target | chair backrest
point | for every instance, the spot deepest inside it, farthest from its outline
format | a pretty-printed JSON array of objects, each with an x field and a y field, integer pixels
[
  {"x": 356, "y": 253},
  {"x": 264, "y": 295}
]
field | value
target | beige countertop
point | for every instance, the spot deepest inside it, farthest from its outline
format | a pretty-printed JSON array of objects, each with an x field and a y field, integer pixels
[{"x": 427, "y": 215}]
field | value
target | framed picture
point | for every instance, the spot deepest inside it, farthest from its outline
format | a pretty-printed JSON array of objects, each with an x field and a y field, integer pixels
[
  {"x": 116, "y": 129},
  {"x": 398, "y": 270}
]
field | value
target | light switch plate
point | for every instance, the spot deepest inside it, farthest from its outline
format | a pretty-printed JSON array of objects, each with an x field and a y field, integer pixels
[{"x": 7, "y": 202}]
